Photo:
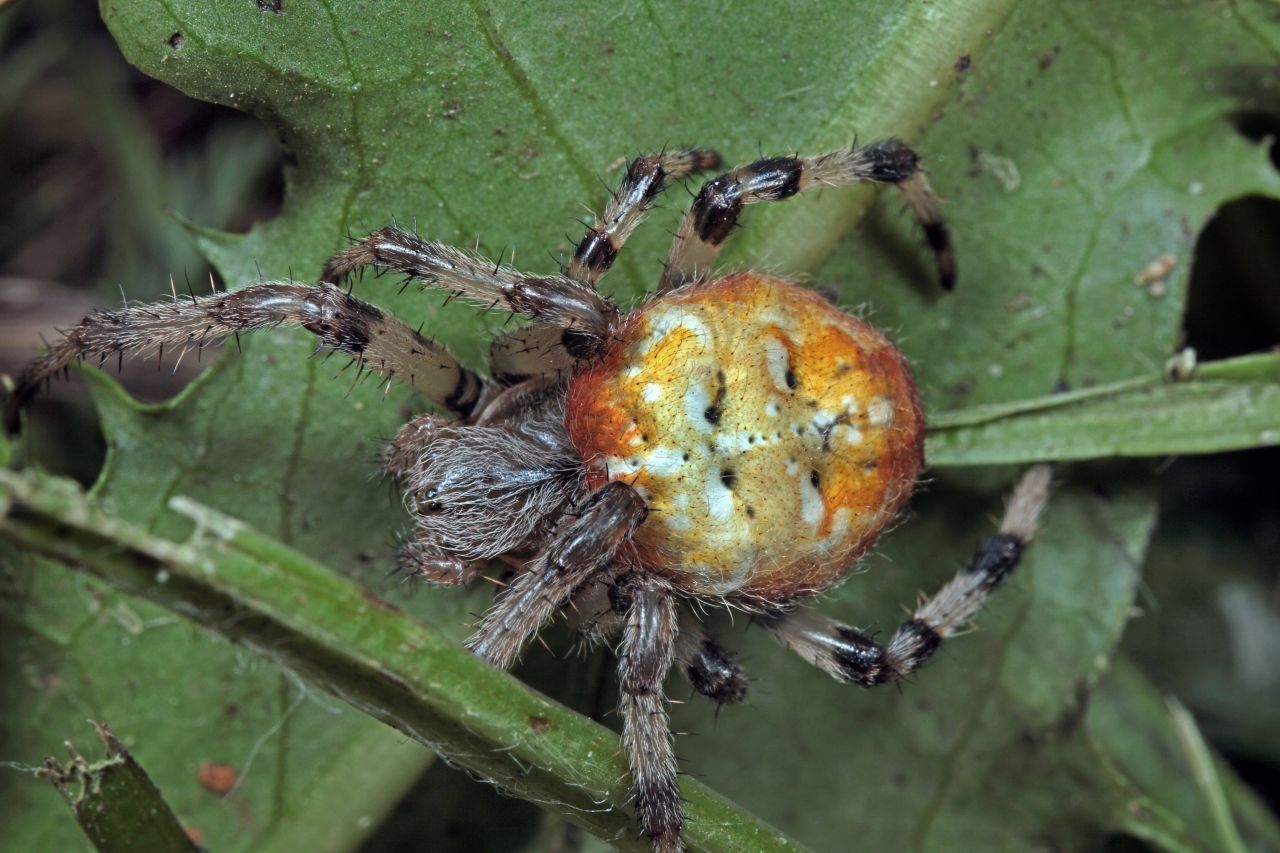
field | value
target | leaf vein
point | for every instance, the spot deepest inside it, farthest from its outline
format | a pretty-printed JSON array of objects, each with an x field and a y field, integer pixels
[
  {"x": 546, "y": 116},
  {"x": 354, "y": 97}
]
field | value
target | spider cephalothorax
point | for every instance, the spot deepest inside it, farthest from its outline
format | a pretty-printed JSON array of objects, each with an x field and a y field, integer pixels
[{"x": 734, "y": 440}]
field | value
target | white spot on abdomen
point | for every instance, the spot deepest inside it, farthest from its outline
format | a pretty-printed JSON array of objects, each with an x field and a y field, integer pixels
[
  {"x": 839, "y": 527},
  {"x": 696, "y": 402},
  {"x": 879, "y": 411},
  {"x": 677, "y": 318},
  {"x": 811, "y": 508},
  {"x": 719, "y": 498},
  {"x": 663, "y": 461},
  {"x": 778, "y": 361}
]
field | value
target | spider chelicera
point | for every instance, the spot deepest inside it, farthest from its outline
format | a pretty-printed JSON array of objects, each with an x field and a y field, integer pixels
[{"x": 734, "y": 440}]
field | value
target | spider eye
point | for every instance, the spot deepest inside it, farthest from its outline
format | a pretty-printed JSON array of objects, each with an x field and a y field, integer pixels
[{"x": 427, "y": 502}]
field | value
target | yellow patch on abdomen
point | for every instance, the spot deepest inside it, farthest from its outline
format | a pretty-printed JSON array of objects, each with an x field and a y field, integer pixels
[{"x": 773, "y": 435}]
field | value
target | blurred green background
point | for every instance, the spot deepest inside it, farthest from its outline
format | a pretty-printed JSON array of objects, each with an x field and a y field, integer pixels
[{"x": 98, "y": 159}]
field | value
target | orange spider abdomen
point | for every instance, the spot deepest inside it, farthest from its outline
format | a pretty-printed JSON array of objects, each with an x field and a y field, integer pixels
[{"x": 773, "y": 435}]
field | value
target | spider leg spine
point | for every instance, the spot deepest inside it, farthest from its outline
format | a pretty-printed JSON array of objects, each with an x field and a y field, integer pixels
[{"x": 551, "y": 299}]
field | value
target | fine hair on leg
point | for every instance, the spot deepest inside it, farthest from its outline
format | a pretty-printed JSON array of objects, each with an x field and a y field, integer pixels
[
  {"x": 648, "y": 641},
  {"x": 596, "y": 618},
  {"x": 710, "y": 669},
  {"x": 573, "y": 554},
  {"x": 557, "y": 300},
  {"x": 539, "y": 349},
  {"x": 547, "y": 348},
  {"x": 643, "y": 181},
  {"x": 854, "y": 656},
  {"x": 343, "y": 323},
  {"x": 715, "y": 211}
]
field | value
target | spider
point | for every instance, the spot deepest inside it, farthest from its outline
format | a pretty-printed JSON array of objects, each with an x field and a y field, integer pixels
[{"x": 735, "y": 440}]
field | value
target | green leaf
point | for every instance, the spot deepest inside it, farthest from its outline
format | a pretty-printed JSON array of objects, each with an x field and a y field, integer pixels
[{"x": 1075, "y": 145}]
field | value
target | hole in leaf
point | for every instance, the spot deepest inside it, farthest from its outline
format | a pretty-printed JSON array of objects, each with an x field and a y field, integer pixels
[
  {"x": 1259, "y": 126},
  {"x": 1233, "y": 307}
]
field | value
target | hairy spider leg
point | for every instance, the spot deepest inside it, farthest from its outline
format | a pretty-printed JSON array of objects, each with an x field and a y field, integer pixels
[
  {"x": 648, "y": 641},
  {"x": 377, "y": 340},
  {"x": 596, "y": 619},
  {"x": 715, "y": 211},
  {"x": 850, "y": 655},
  {"x": 553, "y": 299},
  {"x": 423, "y": 560},
  {"x": 710, "y": 669},
  {"x": 643, "y": 182},
  {"x": 539, "y": 349},
  {"x": 547, "y": 349},
  {"x": 600, "y": 610},
  {"x": 573, "y": 555}
]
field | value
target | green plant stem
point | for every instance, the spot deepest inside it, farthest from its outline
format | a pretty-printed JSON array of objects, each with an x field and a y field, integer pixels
[
  {"x": 1227, "y": 405},
  {"x": 1197, "y": 754},
  {"x": 117, "y": 805},
  {"x": 343, "y": 639}
]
